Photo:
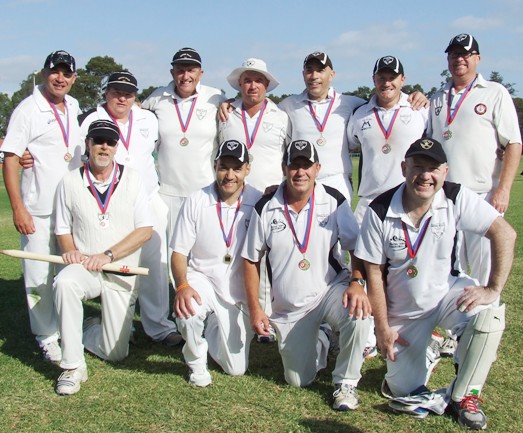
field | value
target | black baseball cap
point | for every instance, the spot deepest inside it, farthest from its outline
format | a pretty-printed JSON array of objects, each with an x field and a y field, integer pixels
[
  {"x": 464, "y": 40},
  {"x": 235, "y": 149},
  {"x": 60, "y": 58},
  {"x": 388, "y": 62},
  {"x": 427, "y": 147},
  {"x": 300, "y": 148},
  {"x": 104, "y": 129},
  {"x": 124, "y": 81},
  {"x": 187, "y": 56},
  {"x": 323, "y": 58}
]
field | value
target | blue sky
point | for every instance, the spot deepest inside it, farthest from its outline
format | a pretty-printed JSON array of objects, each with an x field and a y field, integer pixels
[{"x": 143, "y": 36}]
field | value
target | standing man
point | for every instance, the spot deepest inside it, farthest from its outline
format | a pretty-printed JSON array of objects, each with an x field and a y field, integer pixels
[
  {"x": 186, "y": 112},
  {"x": 138, "y": 130},
  {"x": 310, "y": 286},
  {"x": 44, "y": 123},
  {"x": 472, "y": 118},
  {"x": 258, "y": 122},
  {"x": 102, "y": 216},
  {"x": 210, "y": 301},
  {"x": 407, "y": 244}
]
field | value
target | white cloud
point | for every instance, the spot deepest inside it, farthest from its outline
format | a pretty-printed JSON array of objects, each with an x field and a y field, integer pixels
[
  {"x": 13, "y": 70},
  {"x": 470, "y": 23}
]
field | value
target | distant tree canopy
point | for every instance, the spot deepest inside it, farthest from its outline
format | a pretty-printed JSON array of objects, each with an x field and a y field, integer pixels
[{"x": 89, "y": 86}]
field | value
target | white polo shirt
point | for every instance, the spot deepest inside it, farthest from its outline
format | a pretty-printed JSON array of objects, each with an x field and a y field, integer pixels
[
  {"x": 295, "y": 291},
  {"x": 486, "y": 120},
  {"x": 33, "y": 126},
  {"x": 197, "y": 234},
  {"x": 269, "y": 142},
  {"x": 142, "y": 142},
  {"x": 381, "y": 166},
  {"x": 334, "y": 154},
  {"x": 382, "y": 241},
  {"x": 184, "y": 169}
]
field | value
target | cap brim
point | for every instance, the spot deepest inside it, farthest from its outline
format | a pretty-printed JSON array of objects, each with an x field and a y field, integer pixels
[
  {"x": 234, "y": 77},
  {"x": 124, "y": 87}
]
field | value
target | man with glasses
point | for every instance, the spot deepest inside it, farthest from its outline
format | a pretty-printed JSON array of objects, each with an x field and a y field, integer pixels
[
  {"x": 138, "y": 135},
  {"x": 45, "y": 123},
  {"x": 102, "y": 216}
]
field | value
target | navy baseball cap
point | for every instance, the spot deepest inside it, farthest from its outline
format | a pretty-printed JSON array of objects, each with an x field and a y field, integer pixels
[
  {"x": 464, "y": 40},
  {"x": 427, "y": 147},
  {"x": 187, "y": 56},
  {"x": 388, "y": 62},
  {"x": 124, "y": 81},
  {"x": 300, "y": 148},
  {"x": 323, "y": 58},
  {"x": 104, "y": 129},
  {"x": 235, "y": 149},
  {"x": 60, "y": 58}
]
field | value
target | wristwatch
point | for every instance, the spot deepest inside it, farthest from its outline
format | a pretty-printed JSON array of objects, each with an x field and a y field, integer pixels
[
  {"x": 109, "y": 254},
  {"x": 360, "y": 281}
]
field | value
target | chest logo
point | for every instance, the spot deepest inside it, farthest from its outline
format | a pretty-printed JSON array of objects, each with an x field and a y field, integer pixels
[
  {"x": 277, "y": 226},
  {"x": 437, "y": 229},
  {"x": 397, "y": 243},
  {"x": 480, "y": 109},
  {"x": 200, "y": 113}
]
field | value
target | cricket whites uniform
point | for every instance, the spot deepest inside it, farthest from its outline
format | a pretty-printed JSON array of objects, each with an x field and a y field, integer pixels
[
  {"x": 135, "y": 150},
  {"x": 78, "y": 214},
  {"x": 421, "y": 291},
  {"x": 35, "y": 126},
  {"x": 484, "y": 120},
  {"x": 216, "y": 273},
  {"x": 308, "y": 287},
  {"x": 383, "y": 136},
  {"x": 331, "y": 143}
]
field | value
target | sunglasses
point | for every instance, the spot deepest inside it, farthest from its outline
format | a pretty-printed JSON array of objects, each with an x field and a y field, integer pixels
[{"x": 102, "y": 140}]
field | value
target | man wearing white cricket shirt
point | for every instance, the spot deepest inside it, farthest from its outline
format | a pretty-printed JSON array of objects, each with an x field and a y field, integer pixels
[{"x": 310, "y": 286}]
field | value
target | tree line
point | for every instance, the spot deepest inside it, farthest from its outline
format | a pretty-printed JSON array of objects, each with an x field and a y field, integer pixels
[{"x": 88, "y": 89}]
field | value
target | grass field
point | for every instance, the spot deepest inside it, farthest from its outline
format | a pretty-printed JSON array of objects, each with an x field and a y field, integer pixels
[{"x": 148, "y": 392}]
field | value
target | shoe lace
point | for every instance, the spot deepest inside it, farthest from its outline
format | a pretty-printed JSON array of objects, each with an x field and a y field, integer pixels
[
  {"x": 344, "y": 390},
  {"x": 470, "y": 403}
]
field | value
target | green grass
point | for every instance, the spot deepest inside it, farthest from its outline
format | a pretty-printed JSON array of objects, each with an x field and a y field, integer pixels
[{"x": 148, "y": 392}]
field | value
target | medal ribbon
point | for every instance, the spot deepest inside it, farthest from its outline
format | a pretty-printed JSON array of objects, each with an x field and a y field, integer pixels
[
  {"x": 321, "y": 126},
  {"x": 65, "y": 131},
  {"x": 451, "y": 117},
  {"x": 228, "y": 238},
  {"x": 386, "y": 131},
  {"x": 102, "y": 205},
  {"x": 250, "y": 138},
  {"x": 185, "y": 125},
  {"x": 302, "y": 246},
  {"x": 413, "y": 249},
  {"x": 126, "y": 141}
]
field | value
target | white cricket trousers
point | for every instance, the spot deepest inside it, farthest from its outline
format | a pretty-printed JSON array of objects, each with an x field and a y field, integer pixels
[
  {"x": 38, "y": 280},
  {"x": 109, "y": 339},
  {"x": 227, "y": 334}
]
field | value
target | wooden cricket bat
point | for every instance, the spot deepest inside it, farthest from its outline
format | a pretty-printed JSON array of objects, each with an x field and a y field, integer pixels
[{"x": 109, "y": 267}]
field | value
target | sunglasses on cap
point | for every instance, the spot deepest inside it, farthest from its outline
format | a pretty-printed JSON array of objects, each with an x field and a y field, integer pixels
[{"x": 102, "y": 140}]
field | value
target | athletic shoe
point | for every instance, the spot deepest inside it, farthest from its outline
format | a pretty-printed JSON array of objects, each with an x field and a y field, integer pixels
[
  {"x": 69, "y": 381},
  {"x": 413, "y": 411},
  {"x": 345, "y": 397},
  {"x": 469, "y": 413},
  {"x": 370, "y": 352},
  {"x": 173, "y": 339},
  {"x": 448, "y": 347},
  {"x": 385, "y": 390},
  {"x": 271, "y": 338},
  {"x": 52, "y": 352},
  {"x": 433, "y": 357},
  {"x": 200, "y": 377}
]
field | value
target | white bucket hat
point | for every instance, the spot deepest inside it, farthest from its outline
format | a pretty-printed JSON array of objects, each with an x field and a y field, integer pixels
[{"x": 256, "y": 65}]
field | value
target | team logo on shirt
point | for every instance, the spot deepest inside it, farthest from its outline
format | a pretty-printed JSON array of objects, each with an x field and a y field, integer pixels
[
  {"x": 277, "y": 225},
  {"x": 437, "y": 229},
  {"x": 267, "y": 126},
  {"x": 406, "y": 118},
  {"x": 438, "y": 107},
  {"x": 144, "y": 132},
  {"x": 365, "y": 125},
  {"x": 201, "y": 113},
  {"x": 480, "y": 109},
  {"x": 322, "y": 220},
  {"x": 397, "y": 243}
]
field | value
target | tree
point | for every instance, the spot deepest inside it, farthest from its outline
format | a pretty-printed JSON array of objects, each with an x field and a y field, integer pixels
[
  {"x": 363, "y": 92},
  {"x": 5, "y": 112},
  {"x": 142, "y": 96},
  {"x": 496, "y": 76},
  {"x": 446, "y": 76},
  {"x": 26, "y": 88}
]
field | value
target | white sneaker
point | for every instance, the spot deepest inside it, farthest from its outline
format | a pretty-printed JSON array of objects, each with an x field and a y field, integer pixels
[
  {"x": 200, "y": 377},
  {"x": 52, "y": 352},
  {"x": 448, "y": 347},
  {"x": 69, "y": 381},
  {"x": 345, "y": 397}
]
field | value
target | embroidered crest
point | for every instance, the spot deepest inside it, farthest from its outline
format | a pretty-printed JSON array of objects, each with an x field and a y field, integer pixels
[{"x": 480, "y": 109}]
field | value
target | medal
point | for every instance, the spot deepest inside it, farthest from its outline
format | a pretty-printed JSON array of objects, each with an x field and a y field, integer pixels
[
  {"x": 321, "y": 125},
  {"x": 227, "y": 258},
  {"x": 388, "y": 130},
  {"x": 102, "y": 199},
  {"x": 68, "y": 157},
  {"x": 447, "y": 135},
  {"x": 184, "y": 125},
  {"x": 250, "y": 157},
  {"x": 453, "y": 112},
  {"x": 322, "y": 141},
  {"x": 103, "y": 220},
  {"x": 386, "y": 148},
  {"x": 63, "y": 129},
  {"x": 304, "y": 264},
  {"x": 412, "y": 271},
  {"x": 184, "y": 141}
]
